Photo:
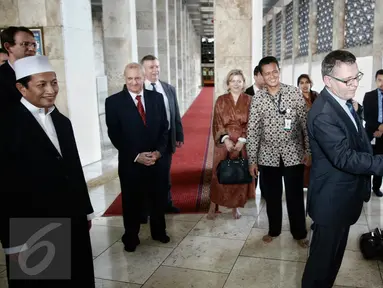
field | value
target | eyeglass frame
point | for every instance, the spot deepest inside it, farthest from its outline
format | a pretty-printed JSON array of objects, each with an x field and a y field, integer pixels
[
  {"x": 28, "y": 44},
  {"x": 357, "y": 78}
]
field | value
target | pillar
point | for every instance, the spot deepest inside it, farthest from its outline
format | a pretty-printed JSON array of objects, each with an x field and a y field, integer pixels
[
  {"x": 162, "y": 38},
  {"x": 232, "y": 18},
  {"x": 338, "y": 25},
  {"x": 146, "y": 19},
  {"x": 256, "y": 32},
  {"x": 180, "y": 87},
  {"x": 377, "y": 52},
  {"x": 120, "y": 38},
  {"x": 63, "y": 25},
  {"x": 172, "y": 42}
]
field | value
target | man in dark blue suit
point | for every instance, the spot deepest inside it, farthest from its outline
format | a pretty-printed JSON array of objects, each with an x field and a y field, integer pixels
[
  {"x": 138, "y": 128},
  {"x": 342, "y": 162}
]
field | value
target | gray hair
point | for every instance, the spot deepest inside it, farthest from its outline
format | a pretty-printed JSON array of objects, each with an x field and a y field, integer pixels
[
  {"x": 336, "y": 58},
  {"x": 134, "y": 65}
]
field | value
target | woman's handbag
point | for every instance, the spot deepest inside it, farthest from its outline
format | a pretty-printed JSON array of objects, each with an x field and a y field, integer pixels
[{"x": 234, "y": 171}]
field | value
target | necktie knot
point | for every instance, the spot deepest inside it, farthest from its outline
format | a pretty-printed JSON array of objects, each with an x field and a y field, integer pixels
[
  {"x": 138, "y": 97},
  {"x": 154, "y": 86},
  {"x": 351, "y": 108}
]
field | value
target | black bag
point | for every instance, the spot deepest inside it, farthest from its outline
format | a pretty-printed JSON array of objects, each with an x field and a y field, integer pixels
[
  {"x": 371, "y": 245},
  {"x": 234, "y": 171}
]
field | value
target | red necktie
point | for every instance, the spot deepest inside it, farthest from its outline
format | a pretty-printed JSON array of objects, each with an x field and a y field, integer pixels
[{"x": 140, "y": 108}]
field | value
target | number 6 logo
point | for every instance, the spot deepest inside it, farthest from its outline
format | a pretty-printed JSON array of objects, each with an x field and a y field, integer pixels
[{"x": 31, "y": 246}]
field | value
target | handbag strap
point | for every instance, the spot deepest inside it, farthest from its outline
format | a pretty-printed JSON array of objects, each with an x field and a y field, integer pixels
[{"x": 239, "y": 156}]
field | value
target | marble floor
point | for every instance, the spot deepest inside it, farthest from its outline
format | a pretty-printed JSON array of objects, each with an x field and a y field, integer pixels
[{"x": 214, "y": 254}]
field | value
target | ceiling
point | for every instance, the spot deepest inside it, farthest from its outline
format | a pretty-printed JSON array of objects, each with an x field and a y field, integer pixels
[{"x": 202, "y": 13}]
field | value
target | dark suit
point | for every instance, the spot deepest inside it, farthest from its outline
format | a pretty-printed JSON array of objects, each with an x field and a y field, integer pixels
[
  {"x": 140, "y": 185},
  {"x": 9, "y": 94},
  {"x": 39, "y": 182},
  {"x": 250, "y": 91},
  {"x": 342, "y": 161},
  {"x": 176, "y": 133},
  {"x": 371, "y": 113}
]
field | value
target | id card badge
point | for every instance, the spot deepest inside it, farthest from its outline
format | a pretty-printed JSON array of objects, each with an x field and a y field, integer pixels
[{"x": 287, "y": 125}]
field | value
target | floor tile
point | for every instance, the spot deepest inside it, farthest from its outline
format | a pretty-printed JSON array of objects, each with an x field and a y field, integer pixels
[
  {"x": 111, "y": 188},
  {"x": 101, "y": 202},
  {"x": 176, "y": 230},
  {"x": 374, "y": 206},
  {"x": 283, "y": 247},
  {"x": 185, "y": 217},
  {"x": 102, "y": 237},
  {"x": 101, "y": 283},
  {"x": 353, "y": 238},
  {"x": 265, "y": 273},
  {"x": 204, "y": 253},
  {"x": 113, "y": 221},
  {"x": 118, "y": 265},
  {"x": 355, "y": 271},
  {"x": 224, "y": 226},
  {"x": 374, "y": 221},
  {"x": 171, "y": 277},
  {"x": 262, "y": 221}
]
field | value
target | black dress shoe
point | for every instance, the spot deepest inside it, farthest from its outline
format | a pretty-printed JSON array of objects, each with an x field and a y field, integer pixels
[
  {"x": 378, "y": 193},
  {"x": 172, "y": 210},
  {"x": 132, "y": 245},
  {"x": 163, "y": 238}
]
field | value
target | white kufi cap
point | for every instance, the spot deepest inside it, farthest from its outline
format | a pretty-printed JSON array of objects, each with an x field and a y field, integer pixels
[{"x": 32, "y": 65}]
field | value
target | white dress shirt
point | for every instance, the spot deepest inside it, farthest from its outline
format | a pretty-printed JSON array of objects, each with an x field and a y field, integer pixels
[
  {"x": 342, "y": 103},
  {"x": 134, "y": 95},
  {"x": 255, "y": 88},
  {"x": 160, "y": 89}
]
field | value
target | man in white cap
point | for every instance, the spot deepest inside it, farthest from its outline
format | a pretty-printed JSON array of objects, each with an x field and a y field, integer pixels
[{"x": 46, "y": 203}]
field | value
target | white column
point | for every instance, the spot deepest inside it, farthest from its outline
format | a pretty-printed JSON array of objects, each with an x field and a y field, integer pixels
[
  {"x": 257, "y": 24},
  {"x": 80, "y": 77}
]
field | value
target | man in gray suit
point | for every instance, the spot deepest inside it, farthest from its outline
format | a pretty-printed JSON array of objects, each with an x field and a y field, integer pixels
[{"x": 176, "y": 134}]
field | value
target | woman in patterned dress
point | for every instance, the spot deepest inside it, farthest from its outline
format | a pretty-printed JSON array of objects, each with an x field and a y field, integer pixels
[
  {"x": 230, "y": 119},
  {"x": 305, "y": 84}
]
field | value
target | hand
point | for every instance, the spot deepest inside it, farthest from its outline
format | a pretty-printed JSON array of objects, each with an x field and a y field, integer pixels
[
  {"x": 146, "y": 158},
  {"x": 229, "y": 145},
  {"x": 355, "y": 105},
  {"x": 307, "y": 160},
  {"x": 156, "y": 155},
  {"x": 89, "y": 224},
  {"x": 179, "y": 144},
  {"x": 380, "y": 128},
  {"x": 239, "y": 146},
  {"x": 378, "y": 134},
  {"x": 253, "y": 170}
]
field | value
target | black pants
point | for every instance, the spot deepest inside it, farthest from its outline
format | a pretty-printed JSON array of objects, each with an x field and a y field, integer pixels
[
  {"x": 376, "y": 180},
  {"x": 326, "y": 254},
  {"x": 272, "y": 186},
  {"x": 144, "y": 193},
  {"x": 261, "y": 182}
]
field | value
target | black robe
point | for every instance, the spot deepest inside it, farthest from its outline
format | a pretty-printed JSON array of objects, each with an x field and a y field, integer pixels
[{"x": 41, "y": 185}]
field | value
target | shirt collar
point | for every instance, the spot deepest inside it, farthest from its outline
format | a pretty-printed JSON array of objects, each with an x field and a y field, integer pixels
[
  {"x": 35, "y": 110},
  {"x": 380, "y": 92},
  {"x": 149, "y": 84},
  {"x": 135, "y": 94},
  {"x": 10, "y": 64},
  {"x": 341, "y": 101}
]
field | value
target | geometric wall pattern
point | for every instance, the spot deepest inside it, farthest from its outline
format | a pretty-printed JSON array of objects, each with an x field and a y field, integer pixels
[
  {"x": 304, "y": 27},
  {"x": 325, "y": 11},
  {"x": 289, "y": 31},
  {"x": 359, "y": 18},
  {"x": 278, "y": 35},
  {"x": 270, "y": 37},
  {"x": 264, "y": 41}
]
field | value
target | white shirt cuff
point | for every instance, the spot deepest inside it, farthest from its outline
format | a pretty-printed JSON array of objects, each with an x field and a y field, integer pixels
[
  {"x": 17, "y": 249},
  {"x": 224, "y": 138},
  {"x": 243, "y": 140},
  {"x": 90, "y": 216},
  {"x": 138, "y": 155}
]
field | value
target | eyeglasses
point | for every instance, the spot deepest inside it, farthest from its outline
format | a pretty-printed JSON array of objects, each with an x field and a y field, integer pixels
[
  {"x": 28, "y": 44},
  {"x": 349, "y": 82}
]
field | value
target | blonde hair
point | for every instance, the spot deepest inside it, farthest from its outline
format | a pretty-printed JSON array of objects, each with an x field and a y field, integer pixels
[
  {"x": 231, "y": 74},
  {"x": 134, "y": 65}
]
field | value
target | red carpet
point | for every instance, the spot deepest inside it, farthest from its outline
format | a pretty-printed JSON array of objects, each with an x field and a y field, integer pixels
[{"x": 191, "y": 166}]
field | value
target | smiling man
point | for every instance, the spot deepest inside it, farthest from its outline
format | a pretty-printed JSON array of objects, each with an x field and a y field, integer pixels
[
  {"x": 176, "y": 135},
  {"x": 342, "y": 164},
  {"x": 43, "y": 185},
  {"x": 278, "y": 143}
]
